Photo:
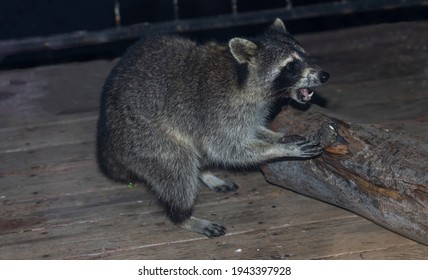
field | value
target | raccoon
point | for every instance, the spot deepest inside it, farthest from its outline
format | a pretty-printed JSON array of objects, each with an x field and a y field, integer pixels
[{"x": 171, "y": 109}]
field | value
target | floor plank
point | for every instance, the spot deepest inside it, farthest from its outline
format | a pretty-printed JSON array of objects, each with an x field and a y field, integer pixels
[
  {"x": 411, "y": 251},
  {"x": 49, "y": 94},
  {"x": 321, "y": 240}
]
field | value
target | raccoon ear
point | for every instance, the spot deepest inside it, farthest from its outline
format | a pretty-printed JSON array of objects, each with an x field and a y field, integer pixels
[
  {"x": 278, "y": 25},
  {"x": 242, "y": 49}
]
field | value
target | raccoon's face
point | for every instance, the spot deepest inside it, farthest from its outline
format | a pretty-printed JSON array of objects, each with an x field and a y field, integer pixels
[
  {"x": 295, "y": 75},
  {"x": 279, "y": 63}
]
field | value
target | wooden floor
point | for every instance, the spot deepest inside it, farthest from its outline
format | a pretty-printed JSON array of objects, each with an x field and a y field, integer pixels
[{"x": 55, "y": 204}]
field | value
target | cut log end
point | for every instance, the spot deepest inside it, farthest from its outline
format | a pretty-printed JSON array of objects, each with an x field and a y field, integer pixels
[{"x": 330, "y": 138}]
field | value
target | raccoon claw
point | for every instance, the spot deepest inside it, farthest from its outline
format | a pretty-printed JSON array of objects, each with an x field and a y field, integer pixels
[
  {"x": 303, "y": 147},
  {"x": 307, "y": 143},
  {"x": 214, "y": 230},
  {"x": 204, "y": 227},
  {"x": 310, "y": 148}
]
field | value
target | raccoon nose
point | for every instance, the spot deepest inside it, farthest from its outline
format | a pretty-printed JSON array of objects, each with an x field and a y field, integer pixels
[{"x": 324, "y": 76}]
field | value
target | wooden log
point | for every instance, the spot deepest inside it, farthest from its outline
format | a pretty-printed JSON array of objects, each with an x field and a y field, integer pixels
[{"x": 372, "y": 171}]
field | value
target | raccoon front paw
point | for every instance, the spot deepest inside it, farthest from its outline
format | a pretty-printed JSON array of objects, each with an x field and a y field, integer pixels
[
  {"x": 309, "y": 148},
  {"x": 303, "y": 148},
  {"x": 290, "y": 139}
]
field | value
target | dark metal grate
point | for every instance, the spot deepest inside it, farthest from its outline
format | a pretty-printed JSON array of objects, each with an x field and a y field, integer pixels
[{"x": 228, "y": 13}]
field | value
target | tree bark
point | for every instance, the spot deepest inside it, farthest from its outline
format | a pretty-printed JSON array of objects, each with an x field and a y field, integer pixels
[{"x": 372, "y": 171}]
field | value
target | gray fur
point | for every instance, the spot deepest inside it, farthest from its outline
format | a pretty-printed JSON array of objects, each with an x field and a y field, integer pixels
[{"x": 171, "y": 108}]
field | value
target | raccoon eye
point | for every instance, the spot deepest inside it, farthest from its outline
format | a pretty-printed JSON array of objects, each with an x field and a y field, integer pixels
[{"x": 292, "y": 65}]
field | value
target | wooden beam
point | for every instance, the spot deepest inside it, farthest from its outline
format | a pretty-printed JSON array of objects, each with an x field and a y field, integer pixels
[
  {"x": 87, "y": 38},
  {"x": 367, "y": 169}
]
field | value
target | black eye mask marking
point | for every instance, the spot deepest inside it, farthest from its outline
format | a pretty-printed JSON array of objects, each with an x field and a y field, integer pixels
[
  {"x": 290, "y": 74},
  {"x": 292, "y": 66}
]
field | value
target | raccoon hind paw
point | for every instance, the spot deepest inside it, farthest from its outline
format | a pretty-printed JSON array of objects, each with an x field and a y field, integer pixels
[
  {"x": 204, "y": 227},
  {"x": 225, "y": 188},
  {"x": 216, "y": 184},
  {"x": 214, "y": 230}
]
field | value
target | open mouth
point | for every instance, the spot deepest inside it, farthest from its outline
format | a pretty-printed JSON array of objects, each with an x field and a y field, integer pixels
[{"x": 304, "y": 94}]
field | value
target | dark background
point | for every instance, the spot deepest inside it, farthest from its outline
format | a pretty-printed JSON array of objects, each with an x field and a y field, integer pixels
[{"x": 29, "y": 18}]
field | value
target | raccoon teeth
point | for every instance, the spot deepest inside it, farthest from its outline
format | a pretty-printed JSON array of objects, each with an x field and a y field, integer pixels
[{"x": 305, "y": 94}]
